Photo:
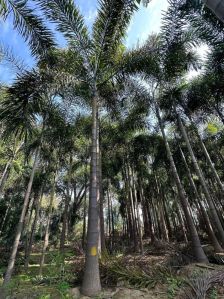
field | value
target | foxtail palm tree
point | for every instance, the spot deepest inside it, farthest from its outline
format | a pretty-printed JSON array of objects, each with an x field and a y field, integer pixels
[{"x": 96, "y": 54}]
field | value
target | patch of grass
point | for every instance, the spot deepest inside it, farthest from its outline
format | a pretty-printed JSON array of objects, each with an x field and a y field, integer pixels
[{"x": 174, "y": 285}]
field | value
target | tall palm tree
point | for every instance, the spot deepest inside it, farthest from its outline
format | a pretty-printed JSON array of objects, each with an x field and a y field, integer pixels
[{"x": 96, "y": 56}]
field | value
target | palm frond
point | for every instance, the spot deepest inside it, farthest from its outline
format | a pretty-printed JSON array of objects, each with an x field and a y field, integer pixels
[
  {"x": 144, "y": 60},
  {"x": 110, "y": 26},
  {"x": 30, "y": 26},
  {"x": 3, "y": 7},
  {"x": 20, "y": 108},
  {"x": 208, "y": 28},
  {"x": 70, "y": 22},
  {"x": 6, "y": 54}
]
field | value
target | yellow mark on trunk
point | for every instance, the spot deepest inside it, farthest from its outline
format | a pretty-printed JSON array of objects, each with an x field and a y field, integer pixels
[{"x": 93, "y": 251}]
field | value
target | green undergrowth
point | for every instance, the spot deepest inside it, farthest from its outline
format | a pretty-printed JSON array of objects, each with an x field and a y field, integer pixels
[
  {"x": 55, "y": 282},
  {"x": 63, "y": 272},
  {"x": 117, "y": 270}
]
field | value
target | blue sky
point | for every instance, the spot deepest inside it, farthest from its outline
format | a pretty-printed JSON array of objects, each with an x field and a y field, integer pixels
[{"x": 144, "y": 22}]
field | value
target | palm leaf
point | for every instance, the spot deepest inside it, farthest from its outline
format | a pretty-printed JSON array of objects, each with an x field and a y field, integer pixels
[
  {"x": 6, "y": 54},
  {"x": 110, "y": 27},
  {"x": 29, "y": 26},
  {"x": 3, "y": 7},
  {"x": 70, "y": 22}
]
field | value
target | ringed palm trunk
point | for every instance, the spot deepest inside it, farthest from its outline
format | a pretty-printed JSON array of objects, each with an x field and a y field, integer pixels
[
  {"x": 91, "y": 282},
  {"x": 196, "y": 244},
  {"x": 102, "y": 228},
  {"x": 210, "y": 231},
  {"x": 21, "y": 221},
  {"x": 215, "y": 218}
]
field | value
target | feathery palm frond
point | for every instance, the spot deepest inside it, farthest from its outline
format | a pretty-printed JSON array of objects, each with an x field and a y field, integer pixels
[
  {"x": 30, "y": 26},
  {"x": 19, "y": 110},
  {"x": 110, "y": 27},
  {"x": 70, "y": 22},
  {"x": 3, "y": 7},
  {"x": 7, "y": 54},
  {"x": 208, "y": 28},
  {"x": 148, "y": 56}
]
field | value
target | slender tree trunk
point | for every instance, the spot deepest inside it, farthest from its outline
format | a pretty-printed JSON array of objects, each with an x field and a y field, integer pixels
[
  {"x": 137, "y": 214},
  {"x": 215, "y": 217},
  {"x": 46, "y": 236},
  {"x": 161, "y": 211},
  {"x": 91, "y": 281},
  {"x": 151, "y": 228},
  {"x": 33, "y": 230},
  {"x": 108, "y": 216},
  {"x": 66, "y": 209},
  {"x": 112, "y": 225},
  {"x": 102, "y": 229},
  {"x": 28, "y": 224},
  {"x": 84, "y": 213},
  {"x": 196, "y": 244},
  {"x": 133, "y": 216},
  {"x": 64, "y": 223},
  {"x": 166, "y": 214},
  {"x": 198, "y": 200},
  {"x": 220, "y": 184},
  {"x": 5, "y": 216},
  {"x": 21, "y": 221},
  {"x": 7, "y": 168},
  {"x": 5, "y": 174}
]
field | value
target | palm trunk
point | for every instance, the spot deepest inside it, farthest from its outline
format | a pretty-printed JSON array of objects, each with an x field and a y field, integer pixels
[
  {"x": 216, "y": 220},
  {"x": 112, "y": 225},
  {"x": 220, "y": 184},
  {"x": 5, "y": 217},
  {"x": 102, "y": 229},
  {"x": 161, "y": 211},
  {"x": 64, "y": 223},
  {"x": 5, "y": 174},
  {"x": 196, "y": 244},
  {"x": 138, "y": 220},
  {"x": 21, "y": 221},
  {"x": 33, "y": 230},
  {"x": 84, "y": 213},
  {"x": 7, "y": 169},
  {"x": 91, "y": 281},
  {"x": 27, "y": 224},
  {"x": 210, "y": 231},
  {"x": 66, "y": 209},
  {"x": 46, "y": 236}
]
